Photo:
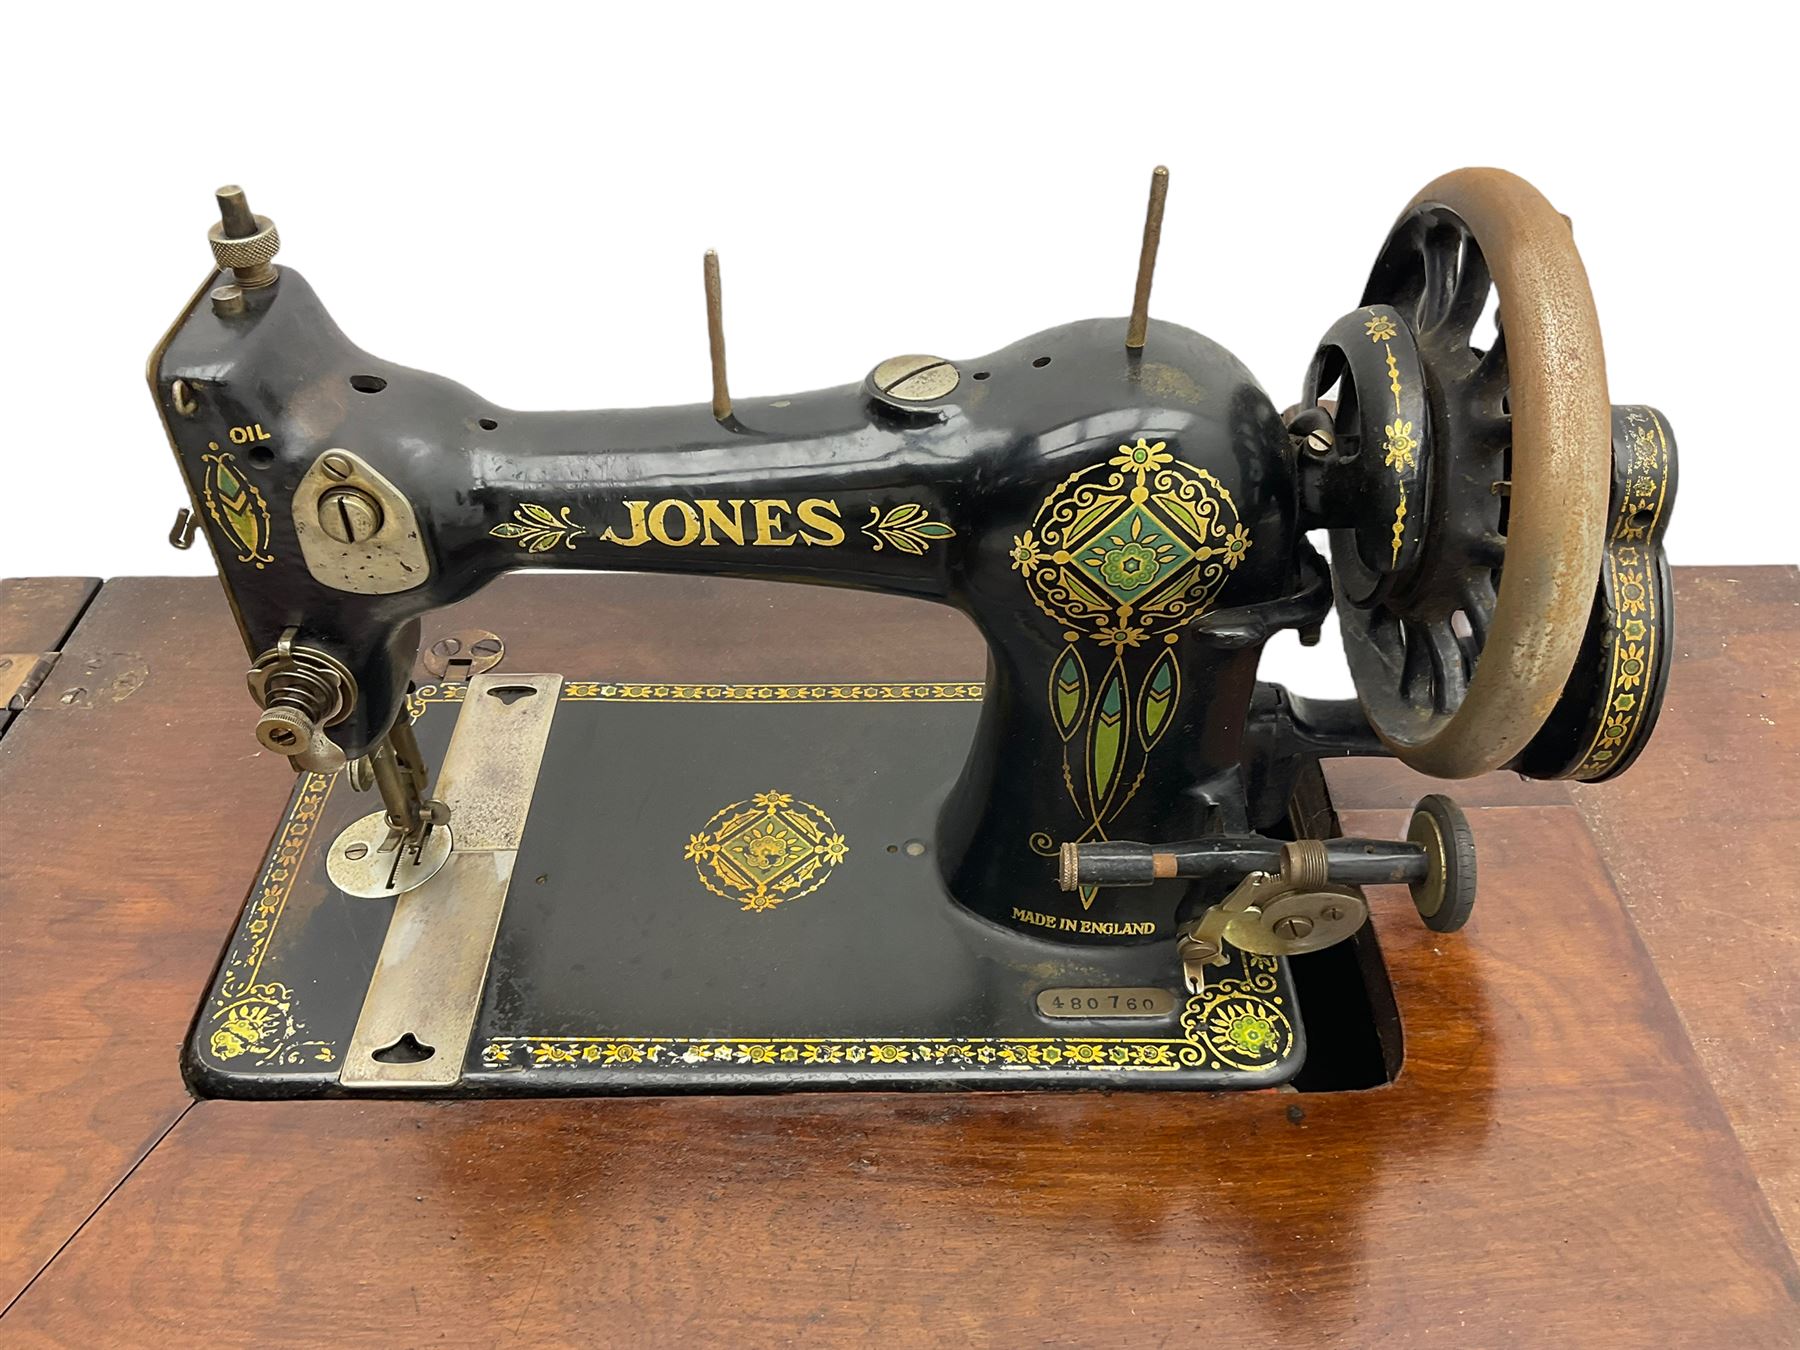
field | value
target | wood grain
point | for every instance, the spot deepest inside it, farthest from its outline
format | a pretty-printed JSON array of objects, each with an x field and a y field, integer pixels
[
  {"x": 129, "y": 825},
  {"x": 1702, "y": 836},
  {"x": 1552, "y": 1167},
  {"x": 36, "y": 613}
]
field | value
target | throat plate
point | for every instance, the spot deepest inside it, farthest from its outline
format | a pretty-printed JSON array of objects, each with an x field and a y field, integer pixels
[{"x": 719, "y": 888}]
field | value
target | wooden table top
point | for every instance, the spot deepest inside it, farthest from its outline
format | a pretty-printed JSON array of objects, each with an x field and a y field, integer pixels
[{"x": 1592, "y": 1140}]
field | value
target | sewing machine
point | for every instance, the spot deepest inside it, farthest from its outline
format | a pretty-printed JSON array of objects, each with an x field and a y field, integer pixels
[{"x": 1107, "y": 865}]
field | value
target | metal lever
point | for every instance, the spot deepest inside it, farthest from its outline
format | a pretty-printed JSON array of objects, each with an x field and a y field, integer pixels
[
  {"x": 1201, "y": 942},
  {"x": 398, "y": 767},
  {"x": 1285, "y": 913}
]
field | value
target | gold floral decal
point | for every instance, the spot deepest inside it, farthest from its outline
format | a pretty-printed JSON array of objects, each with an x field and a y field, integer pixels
[
  {"x": 1629, "y": 573},
  {"x": 767, "y": 850},
  {"x": 1121, "y": 553},
  {"x": 538, "y": 530},
  {"x": 1400, "y": 444},
  {"x": 250, "y": 1015},
  {"x": 236, "y": 507},
  {"x": 1238, "y": 1024},
  {"x": 908, "y": 528}
]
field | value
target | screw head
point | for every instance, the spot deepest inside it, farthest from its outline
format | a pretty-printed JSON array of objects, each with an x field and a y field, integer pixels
[
  {"x": 474, "y": 648},
  {"x": 1293, "y": 927},
  {"x": 337, "y": 466},
  {"x": 1320, "y": 442},
  {"x": 349, "y": 515},
  {"x": 915, "y": 379}
]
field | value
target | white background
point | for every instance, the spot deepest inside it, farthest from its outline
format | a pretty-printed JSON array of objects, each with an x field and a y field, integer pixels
[{"x": 518, "y": 197}]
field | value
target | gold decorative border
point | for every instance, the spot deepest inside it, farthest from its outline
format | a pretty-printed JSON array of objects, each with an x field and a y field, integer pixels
[
  {"x": 452, "y": 691},
  {"x": 1630, "y": 562},
  {"x": 1400, "y": 443},
  {"x": 252, "y": 1016},
  {"x": 1238, "y": 1024}
]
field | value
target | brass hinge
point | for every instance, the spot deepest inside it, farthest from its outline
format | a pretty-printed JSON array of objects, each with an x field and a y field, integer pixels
[{"x": 20, "y": 675}]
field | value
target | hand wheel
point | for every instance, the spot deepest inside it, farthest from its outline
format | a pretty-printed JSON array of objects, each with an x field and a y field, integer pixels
[{"x": 1479, "y": 479}]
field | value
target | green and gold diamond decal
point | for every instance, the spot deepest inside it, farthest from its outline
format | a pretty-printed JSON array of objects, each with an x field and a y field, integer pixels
[
  {"x": 1129, "y": 555},
  {"x": 1124, "y": 554}
]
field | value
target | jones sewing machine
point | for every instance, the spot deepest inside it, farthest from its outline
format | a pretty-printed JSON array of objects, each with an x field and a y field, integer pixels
[{"x": 1109, "y": 864}]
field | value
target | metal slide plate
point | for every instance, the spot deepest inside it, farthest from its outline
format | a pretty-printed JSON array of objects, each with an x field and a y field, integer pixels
[{"x": 420, "y": 1011}]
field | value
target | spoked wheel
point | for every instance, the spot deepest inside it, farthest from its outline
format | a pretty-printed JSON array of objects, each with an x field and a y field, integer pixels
[{"x": 1481, "y": 476}]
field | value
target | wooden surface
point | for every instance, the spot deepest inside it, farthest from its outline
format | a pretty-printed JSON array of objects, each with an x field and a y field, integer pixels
[
  {"x": 36, "y": 613},
  {"x": 1555, "y": 1166},
  {"x": 1723, "y": 921}
]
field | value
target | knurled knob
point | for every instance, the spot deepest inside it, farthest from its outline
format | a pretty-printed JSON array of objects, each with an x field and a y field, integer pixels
[
  {"x": 251, "y": 251},
  {"x": 243, "y": 241},
  {"x": 245, "y": 254},
  {"x": 285, "y": 730}
]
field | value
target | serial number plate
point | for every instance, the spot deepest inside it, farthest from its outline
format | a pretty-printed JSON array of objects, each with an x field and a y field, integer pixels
[{"x": 1106, "y": 1003}]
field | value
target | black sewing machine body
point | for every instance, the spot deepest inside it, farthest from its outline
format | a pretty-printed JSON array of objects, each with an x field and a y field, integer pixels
[
  {"x": 798, "y": 489},
  {"x": 1122, "y": 512}
]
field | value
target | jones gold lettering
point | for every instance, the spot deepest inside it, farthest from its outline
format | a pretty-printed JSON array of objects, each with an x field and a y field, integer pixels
[
  {"x": 822, "y": 516},
  {"x": 659, "y": 523},
  {"x": 713, "y": 517},
  {"x": 768, "y": 523},
  {"x": 638, "y": 535},
  {"x": 773, "y": 523}
]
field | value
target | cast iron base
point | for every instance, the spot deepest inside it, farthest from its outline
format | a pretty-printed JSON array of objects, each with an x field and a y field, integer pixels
[{"x": 727, "y": 888}]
